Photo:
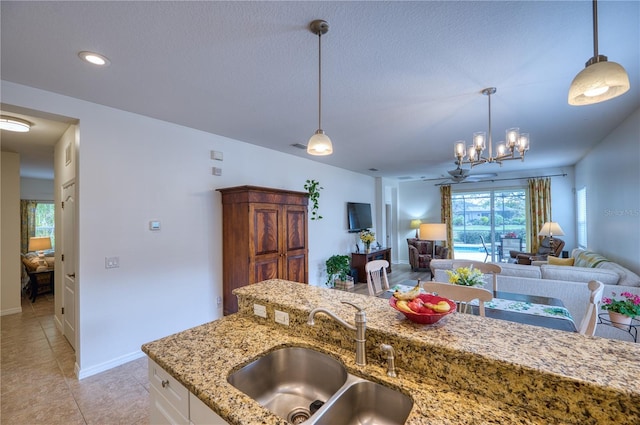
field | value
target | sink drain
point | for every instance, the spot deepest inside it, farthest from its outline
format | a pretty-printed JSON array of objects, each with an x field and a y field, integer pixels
[{"x": 298, "y": 415}]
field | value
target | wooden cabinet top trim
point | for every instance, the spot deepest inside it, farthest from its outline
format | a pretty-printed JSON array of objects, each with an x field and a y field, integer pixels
[{"x": 246, "y": 194}]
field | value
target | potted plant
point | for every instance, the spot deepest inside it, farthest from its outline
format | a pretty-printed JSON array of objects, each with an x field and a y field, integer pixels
[
  {"x": 338, "y": 271},
  {"x": 367, "y": 236},
  {"x": 313, "y": 189},
  {"x": 623, "y": 310}
]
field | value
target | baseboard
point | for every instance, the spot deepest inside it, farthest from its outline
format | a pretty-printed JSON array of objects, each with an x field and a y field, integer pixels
[
  {"x": 11, "y": 311},
  {"x": 87, "y": 372}
]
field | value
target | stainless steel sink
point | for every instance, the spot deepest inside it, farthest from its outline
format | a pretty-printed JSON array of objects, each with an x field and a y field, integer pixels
[
  {"x": 288, "y": 380},
  {"x": 367, "y": 402},
  {"x": 302, "y": 385}
]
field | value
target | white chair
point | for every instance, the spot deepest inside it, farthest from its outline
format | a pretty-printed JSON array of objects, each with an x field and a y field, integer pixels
[
  {"x": 377, "y": 280},
  {"x": 486, "y": 268},
  {"x": 461, "y": 294},
  {"x": 590, "y": 319}
]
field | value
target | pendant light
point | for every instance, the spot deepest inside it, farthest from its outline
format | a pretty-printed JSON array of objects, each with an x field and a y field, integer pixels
[
  {"x": 600, "y": 80},
  {"x": 319, "y": 144}
]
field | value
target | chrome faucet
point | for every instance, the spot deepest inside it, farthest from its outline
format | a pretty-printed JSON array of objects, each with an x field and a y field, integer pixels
[{"x": 360, "y": 329}]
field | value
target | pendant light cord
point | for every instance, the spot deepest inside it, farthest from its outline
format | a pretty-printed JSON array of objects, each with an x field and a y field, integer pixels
[
  {"x": 595, "y": 31},
  {"x": 319, "y": 80}
]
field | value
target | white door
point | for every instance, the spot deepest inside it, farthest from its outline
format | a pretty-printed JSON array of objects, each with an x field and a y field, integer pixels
[{"x": 69, "y": 262}]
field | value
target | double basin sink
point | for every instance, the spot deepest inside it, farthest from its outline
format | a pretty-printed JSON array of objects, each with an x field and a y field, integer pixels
[{"x": 307, "y": 387}]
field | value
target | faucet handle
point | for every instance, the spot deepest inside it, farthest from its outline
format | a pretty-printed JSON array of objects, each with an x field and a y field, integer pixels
[{"x": 352, "y": 305}]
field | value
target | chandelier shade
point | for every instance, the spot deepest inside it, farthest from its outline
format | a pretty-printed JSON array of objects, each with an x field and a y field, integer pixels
[
  {"x": 319, "y": 144},
  {"x": 600, "y": 80},
  {"x": 515, "y": 147}
]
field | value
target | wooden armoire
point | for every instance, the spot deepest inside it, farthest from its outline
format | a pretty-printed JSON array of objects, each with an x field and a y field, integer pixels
[{"x": 264, "y": 236}]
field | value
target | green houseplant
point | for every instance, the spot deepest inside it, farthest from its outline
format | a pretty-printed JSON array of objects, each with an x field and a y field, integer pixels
[
  {"x": 313, "y": 189},
  {"x": 338, "y": 268}
]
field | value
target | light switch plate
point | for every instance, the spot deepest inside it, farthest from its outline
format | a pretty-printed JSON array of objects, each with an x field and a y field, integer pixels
[
  {"x": 111, "y": 262},
  {"x": 217, "y": 155}
]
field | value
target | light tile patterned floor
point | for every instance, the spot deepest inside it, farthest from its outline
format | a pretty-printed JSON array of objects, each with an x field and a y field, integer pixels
[{"x": 38, "y": 385}]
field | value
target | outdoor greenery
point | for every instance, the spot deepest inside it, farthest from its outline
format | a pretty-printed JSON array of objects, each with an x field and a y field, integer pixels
[
  {"x": 45, "y": 221},
  {"x": 473, "y": 214}
]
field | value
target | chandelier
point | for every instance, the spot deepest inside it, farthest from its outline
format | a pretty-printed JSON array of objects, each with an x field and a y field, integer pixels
[{"x": 514, "y": 148}]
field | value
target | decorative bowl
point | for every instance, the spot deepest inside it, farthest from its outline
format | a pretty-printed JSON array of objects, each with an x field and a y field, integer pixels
[{"x": 426, "y": 318}]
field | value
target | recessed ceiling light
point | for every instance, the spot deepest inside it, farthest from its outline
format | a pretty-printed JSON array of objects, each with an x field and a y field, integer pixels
[
  {"x": 94, "y": 58},
  {"x": 14, "y": 124}
]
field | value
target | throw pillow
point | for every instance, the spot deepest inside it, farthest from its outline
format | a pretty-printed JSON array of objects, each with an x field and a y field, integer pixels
[{"x": 555, "y": 261}]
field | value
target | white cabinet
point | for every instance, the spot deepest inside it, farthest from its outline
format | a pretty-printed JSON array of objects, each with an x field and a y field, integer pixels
[{"x": 172, "y": 404}]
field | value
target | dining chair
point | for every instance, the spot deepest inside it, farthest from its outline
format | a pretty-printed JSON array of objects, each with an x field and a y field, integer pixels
[
  {"x": 484, "y": 246},
  {"x": 377, "y": 280},
  {"x": 486, "y": 268},
  {"x": 461, "y": 294},
  {"x": 590, "y": 319}
]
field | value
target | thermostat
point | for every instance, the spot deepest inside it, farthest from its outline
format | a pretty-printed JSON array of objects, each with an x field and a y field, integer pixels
[{"x": 154, "y": 225}]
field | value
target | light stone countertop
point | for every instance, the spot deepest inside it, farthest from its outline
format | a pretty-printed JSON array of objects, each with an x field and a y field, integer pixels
[{"x": 463, "y": 370}]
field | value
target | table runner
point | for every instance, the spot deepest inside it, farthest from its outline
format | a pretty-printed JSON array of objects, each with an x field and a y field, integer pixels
[{"x": 510, "y": 305}]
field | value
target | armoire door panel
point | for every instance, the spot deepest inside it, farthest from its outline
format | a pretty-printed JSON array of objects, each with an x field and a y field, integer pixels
[
  {"x": 296, "y": 228},
  {"x": 266, "y": 229},
  {"x": 266, "y": 268},
  {"x": 296, "y": 268}
]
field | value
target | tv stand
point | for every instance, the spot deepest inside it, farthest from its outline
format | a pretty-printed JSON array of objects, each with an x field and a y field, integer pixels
[{"x": 359, "y": 259}]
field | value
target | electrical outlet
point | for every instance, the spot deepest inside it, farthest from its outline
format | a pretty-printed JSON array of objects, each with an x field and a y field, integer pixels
[
  {"x": 282, "y": 317},
  {"x": 260, "y": 310},
  {"x": 111, "y": 262}
]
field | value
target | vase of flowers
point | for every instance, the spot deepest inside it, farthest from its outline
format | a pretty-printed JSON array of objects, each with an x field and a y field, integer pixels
[
  {"x": 466, "y": 276},
  {"x": 621, "y": 311},
  {"x": 367, "y": 236}
]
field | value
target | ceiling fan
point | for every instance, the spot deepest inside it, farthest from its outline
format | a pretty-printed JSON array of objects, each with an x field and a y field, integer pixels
[{"x": 460, "y": 175}]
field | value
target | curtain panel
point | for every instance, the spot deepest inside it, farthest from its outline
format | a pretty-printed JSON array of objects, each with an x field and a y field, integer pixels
[
  {"x": 446, "y": 215},
  {"x": 539, "y": 209},
  {"x": 27, "y": 223}
]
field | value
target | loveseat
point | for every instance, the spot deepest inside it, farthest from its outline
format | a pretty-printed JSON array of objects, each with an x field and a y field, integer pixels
[
  {"x": 567, "y": 283},
  {"x": 421, "y": 253}
]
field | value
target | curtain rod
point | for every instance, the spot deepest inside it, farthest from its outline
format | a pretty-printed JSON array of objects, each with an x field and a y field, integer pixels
[{"x": 499, "y": 180}]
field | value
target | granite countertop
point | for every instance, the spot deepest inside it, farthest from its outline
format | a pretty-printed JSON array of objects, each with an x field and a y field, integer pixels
[{"x": 462, "y": 370}]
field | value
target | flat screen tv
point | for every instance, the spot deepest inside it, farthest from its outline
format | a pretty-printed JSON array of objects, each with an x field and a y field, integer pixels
[{"x": 359, "y": 216}]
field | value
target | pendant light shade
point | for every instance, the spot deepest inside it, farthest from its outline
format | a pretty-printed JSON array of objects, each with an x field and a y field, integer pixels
[
  {"x": 319, "y": 144},
  {"x": 600, "y": 80}
]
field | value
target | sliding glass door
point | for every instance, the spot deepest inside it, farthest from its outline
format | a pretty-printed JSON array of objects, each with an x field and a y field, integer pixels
[{"x": 488, "y": 224}]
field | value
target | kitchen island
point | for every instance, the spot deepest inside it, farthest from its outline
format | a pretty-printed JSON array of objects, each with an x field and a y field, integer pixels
[{"x": 462, "y": 370}]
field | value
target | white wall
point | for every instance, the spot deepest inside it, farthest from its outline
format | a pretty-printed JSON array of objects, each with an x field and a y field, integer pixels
[
  {"x": 611, "y": 174},
  {"x": 421, "y": 199},
  {"x": 36, "y": 189},
  {"x": 10, "y": 233},
  {"x": 133, "y": 169}
]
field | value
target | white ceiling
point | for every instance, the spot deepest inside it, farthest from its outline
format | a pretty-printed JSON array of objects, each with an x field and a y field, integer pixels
[{"x": 401, "y": 80}]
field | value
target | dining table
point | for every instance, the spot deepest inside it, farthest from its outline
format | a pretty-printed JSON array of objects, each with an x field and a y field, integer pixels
[{"x": 535, "y": 310}]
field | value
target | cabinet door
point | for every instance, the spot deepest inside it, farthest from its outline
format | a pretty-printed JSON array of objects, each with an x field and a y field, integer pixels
[
  {"x": 265, "y": 236},
  {"x": 295, "y": 243},
  {"x": 201, "y": 414}
]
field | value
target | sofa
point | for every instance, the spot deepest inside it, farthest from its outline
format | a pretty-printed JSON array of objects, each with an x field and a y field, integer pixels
[
  {"x": 421, "y": 253},
  {"x": 567, "y": 283}
]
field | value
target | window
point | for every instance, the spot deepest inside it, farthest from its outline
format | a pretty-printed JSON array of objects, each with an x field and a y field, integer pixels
[
  {"x": 491, "y": 215},
  {"x": 581, "y": 217},
  {"x": 45, "y": 221}
]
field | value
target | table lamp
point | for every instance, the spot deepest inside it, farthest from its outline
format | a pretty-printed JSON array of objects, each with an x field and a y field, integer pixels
[
  {"x": 433, "y": 232},
  {"x": 39, "y": 244},
  {"x": 549, "y": 229},
  {"x": 415, "y": 224}
]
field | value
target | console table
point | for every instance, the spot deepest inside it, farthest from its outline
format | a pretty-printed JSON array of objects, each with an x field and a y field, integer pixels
[
  {"x": 358, "y": 261},
  {"x": 41, "y": 282}
]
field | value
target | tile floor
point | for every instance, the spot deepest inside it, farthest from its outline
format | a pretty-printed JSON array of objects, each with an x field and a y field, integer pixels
[{"x": 38, "y": 385}]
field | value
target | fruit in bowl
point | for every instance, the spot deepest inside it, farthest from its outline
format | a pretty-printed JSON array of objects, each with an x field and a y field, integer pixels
[{"x": 424, "y": 308}]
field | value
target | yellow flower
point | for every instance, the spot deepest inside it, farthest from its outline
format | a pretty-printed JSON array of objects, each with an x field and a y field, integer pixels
[
  {"x": 467, "y": 276},
  {"x": 367, "y": 236}
]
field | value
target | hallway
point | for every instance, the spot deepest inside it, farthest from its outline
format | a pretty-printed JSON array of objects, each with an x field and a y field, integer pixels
[{"x": 38, "y": 385}]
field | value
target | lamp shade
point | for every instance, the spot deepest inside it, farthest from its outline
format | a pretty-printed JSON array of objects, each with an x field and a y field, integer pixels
[
  {"x": 433, "y": 231},
  {"x": 598, "y": 82},
  {"x": 319, "y": 144},
  {"x": 39, "y": 243},
  {"x": 551, "y": 228}
]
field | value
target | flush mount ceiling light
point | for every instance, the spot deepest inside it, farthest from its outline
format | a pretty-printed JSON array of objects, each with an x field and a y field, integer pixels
[
  {"x": 319, "y": 144},
  {"x": 14, "y": 124},
  {"x": 600, "y": 80},
  {"x": 516, "y": 143},
  {"x": 94, "y": 58}
]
